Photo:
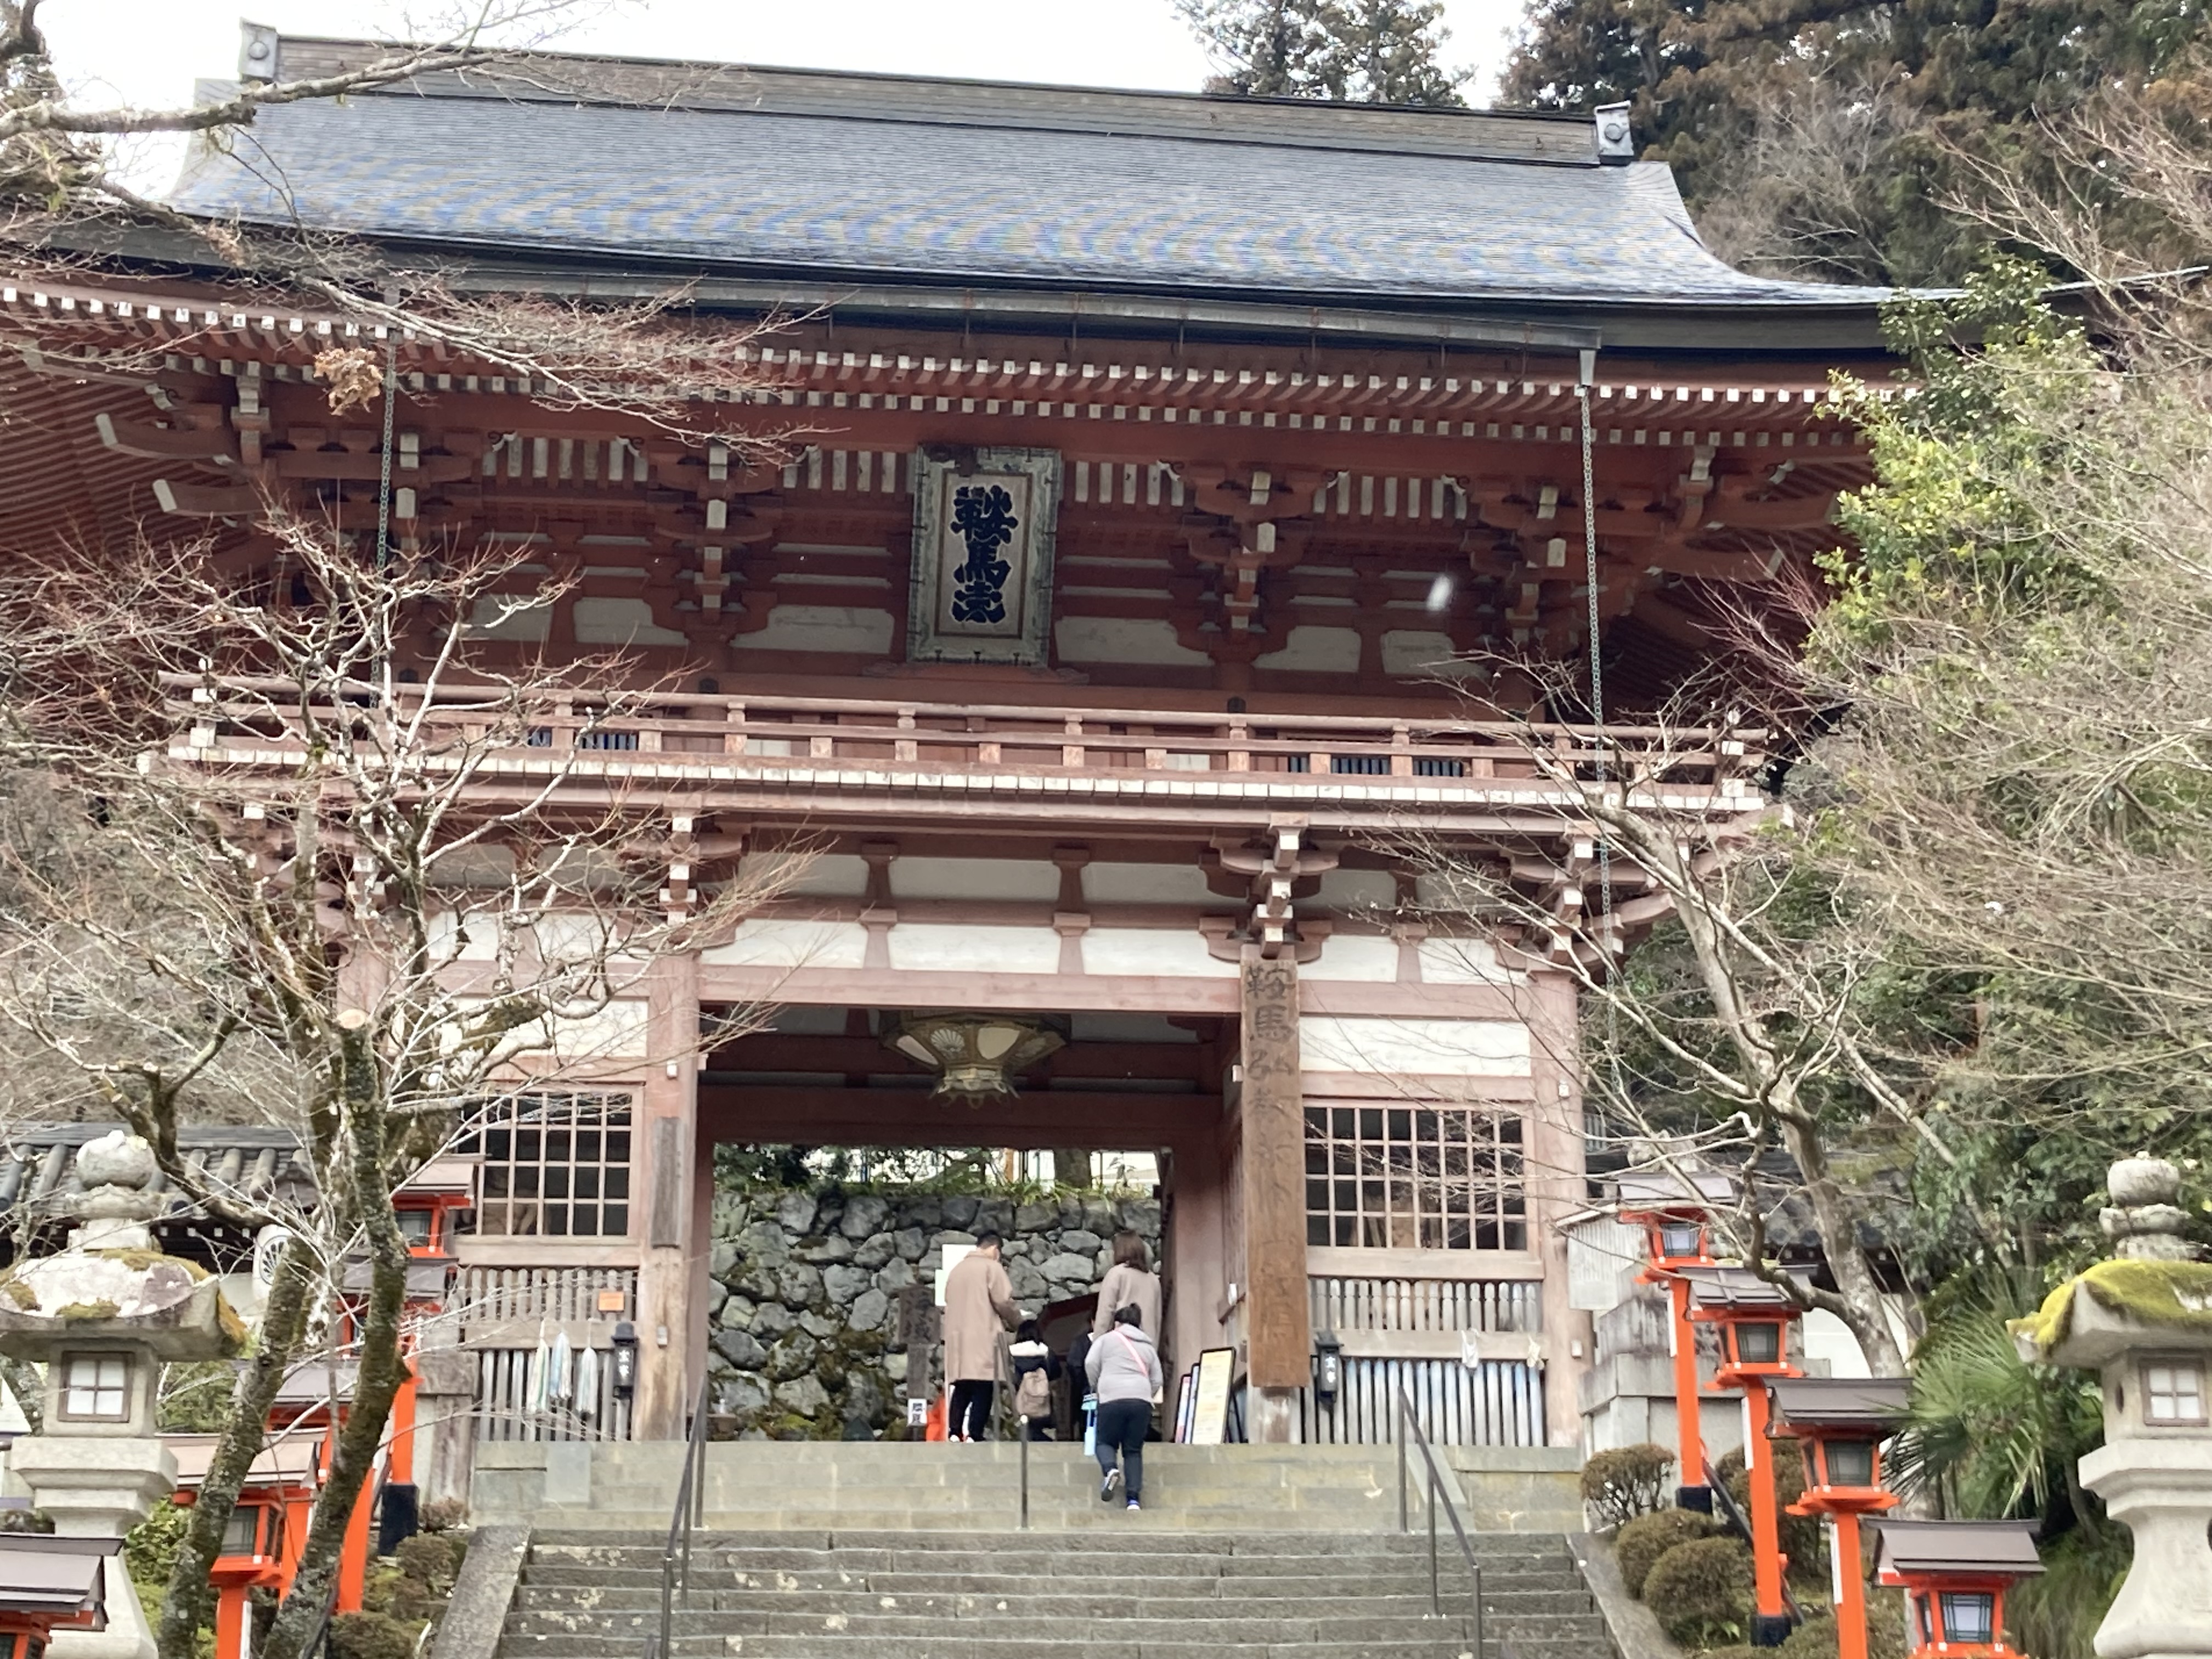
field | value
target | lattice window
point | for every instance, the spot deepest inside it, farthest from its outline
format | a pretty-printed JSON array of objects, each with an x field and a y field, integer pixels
[
  {"x": 1415, "y": 1177},
  {"x": 96, "y": 1388},
  {"x": 2173, "y": 1392},
  {"x": 554, "y": 1166}
]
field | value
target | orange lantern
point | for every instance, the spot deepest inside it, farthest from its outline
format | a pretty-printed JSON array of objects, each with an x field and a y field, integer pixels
[
  {"x": 1754, "y": 1318},
  {"x": 1840, "y": 1423},
  {"x": 1955, "y": 1574},
  {"x": 1674, "y": 1214}
]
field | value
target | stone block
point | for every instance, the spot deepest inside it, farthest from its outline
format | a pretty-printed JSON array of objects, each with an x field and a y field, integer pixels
[
  {"x": 869, "y": 1309},
  {"x": 741, "y": 1393},
  {"x": 737, "y": 1312},
  {"x": 1066, "y": 1268},
  {"x": 924, "y": 1212},
  {"x": 842, "y": 1285},
  {"x": 1141, "y": 1215},
  {"x": 721, "y": 1259},
  {"x": 792, "y": 1357},
  {"x": 1028, "y": 1282},
  {"x": 1082, "y": 1239},
  {"x": 995, "y": 1215},
  {"x": 874, "y": 1250},
  {"x": 765, "y": 1241},
  {"x": 803, "y": 1396},
  {"x": 895, "y": 1367},
  {"x": 1034, "y": 1217},
  {"x": 771, "y": 1319},
  {"x": 794, "y": 1212},
  {"x": 824, "y": 1251},
  {"x": 744, "y": 1352},
  {"x": 894, "y": 1276},
  {"x": 959, "y": 1211},
  {"x": 798, "y": 1284},
  {"x": 821, "y": 1325},
  {"x": 912, "y": 1240},
  {"x": 864, "y": 1213},
  {"x": 1098, "y": 1215},
  {"x": 717, "y": 1297}
]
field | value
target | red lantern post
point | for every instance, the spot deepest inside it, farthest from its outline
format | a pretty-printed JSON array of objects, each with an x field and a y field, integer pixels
[
  {"x": 1754, "y": 1319},
  {"x": 1674, "y": 1214},
  {"x": 1955, "y": 1574},
  {"x": 1840, "y": 1423}
]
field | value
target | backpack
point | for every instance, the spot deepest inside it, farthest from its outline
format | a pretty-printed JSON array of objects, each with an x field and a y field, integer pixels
[{"x": 1033, "y": 1393}]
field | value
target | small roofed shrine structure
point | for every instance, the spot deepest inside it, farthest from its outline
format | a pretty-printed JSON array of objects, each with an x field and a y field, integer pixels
[
  {"x": 1955, "y": 1574},
  {"x": 1840, "y": 1423},
  {"x": 1754, "y": 1317},
  {"x": 268, "y": 1528},
  {"x": 50, "y": 1582},
  {"x": 1675, "y": 1211},
  {"x": 1278, "y": 416}
]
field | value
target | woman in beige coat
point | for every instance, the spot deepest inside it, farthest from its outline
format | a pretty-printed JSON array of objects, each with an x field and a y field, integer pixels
[
  {"x": 1129, "y": 1280},
  {"x": 979, "y": 1308}
]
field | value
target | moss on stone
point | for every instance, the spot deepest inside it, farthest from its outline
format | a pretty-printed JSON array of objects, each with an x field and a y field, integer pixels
[
  {"x": 20, "y": 1293},
  {"x": 2172, "y": 1295},
  {"x": 84, "y": 1312}
]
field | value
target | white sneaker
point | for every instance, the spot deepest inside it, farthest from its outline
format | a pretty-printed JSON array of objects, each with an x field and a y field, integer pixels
[
  {"x": 1134, "y": 1504},
  {"x": 1109, "y": 1486}
]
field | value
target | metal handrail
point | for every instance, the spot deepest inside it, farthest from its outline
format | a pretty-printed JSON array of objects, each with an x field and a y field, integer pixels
[
  {"x": 691, "y": 1513},
  {"x": 1022, "y": 1429},
  {"x": 1438, "y": 1492}
]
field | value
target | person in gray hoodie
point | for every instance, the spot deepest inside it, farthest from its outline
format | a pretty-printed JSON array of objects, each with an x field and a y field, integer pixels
[{"x": 1124, "y": 1369}]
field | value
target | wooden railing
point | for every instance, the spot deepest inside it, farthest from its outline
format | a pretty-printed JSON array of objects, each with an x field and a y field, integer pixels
[
  {"x": 1396, "y": 1304},
  {"x": 841, "y": 741},
  {"x": 488, "y": 1295}
]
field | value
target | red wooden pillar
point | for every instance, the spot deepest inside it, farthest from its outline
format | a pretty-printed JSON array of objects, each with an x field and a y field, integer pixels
[{"x": 1690, "y": 1426}]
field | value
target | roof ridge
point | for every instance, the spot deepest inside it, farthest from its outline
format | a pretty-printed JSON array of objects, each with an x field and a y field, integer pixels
[{"x": 590, "y": 78}]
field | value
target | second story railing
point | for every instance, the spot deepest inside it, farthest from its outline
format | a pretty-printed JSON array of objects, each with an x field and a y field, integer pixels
[{"x": 844, "y": 741}]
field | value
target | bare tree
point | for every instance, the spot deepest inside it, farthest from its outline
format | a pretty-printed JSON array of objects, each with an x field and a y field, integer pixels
[{"x": 309, "y": 875}]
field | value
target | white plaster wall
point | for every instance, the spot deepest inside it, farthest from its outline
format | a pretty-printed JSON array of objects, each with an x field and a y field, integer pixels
[
  {"x": 1149, "y": 883},
  {"x": 963, "y": 948},
  {"x": 612, "y": 621},
  {"x": 1358, "y": 890},
  {"x": 1124, "y": 640},
  {"x": 618, "y": 1031},
  {"x": 1828, "y": 1338},
  {"x": 1315, "y": 650},
  {"x": 1433, "y": 1048},
  {"x": 785, "y": 942},
  {"x": 1354, "y": 957},
  {"x": 836, "y": 627},
  {"x": 1414, "y": 654},
  {"x": 506, "y": 617},
  {"x": 1462, "y": 962},
  {"x": 829, "y": 875},
  {"x": 974, "y": 879},
  {"x": 1171, "y": 953}
]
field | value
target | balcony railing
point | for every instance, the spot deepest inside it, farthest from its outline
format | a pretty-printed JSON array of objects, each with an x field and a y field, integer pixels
[{"x": 842, "y": 743}]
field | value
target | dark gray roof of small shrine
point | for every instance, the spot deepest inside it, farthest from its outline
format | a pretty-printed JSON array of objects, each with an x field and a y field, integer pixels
[{"x": 827, "y": 175}]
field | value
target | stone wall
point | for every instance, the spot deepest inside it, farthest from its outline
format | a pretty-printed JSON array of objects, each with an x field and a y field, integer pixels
[{"x": 810, "y": 1327}]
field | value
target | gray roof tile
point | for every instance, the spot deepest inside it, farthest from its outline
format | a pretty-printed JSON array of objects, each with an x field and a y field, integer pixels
[{"x": 914, "y": 198}]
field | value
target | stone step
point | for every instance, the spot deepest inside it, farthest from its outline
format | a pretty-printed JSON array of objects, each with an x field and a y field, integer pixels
[
  {"x": 1026, "y": 1570},
  {"x": 1053, "y": 1606},
  {"x": 1183, "y": 1591},
  {"x": 1166, "y": 1550},
  {"x": 1450, "y": 1643},
  {"x": 1408, "y": 1625}
]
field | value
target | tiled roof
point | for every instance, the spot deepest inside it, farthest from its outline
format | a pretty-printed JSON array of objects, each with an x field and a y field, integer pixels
[
  {"x": 38, "y": 1164},
  {"x": 896, "y": 179}
]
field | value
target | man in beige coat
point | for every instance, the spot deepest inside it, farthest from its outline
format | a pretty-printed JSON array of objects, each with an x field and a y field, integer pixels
[{"x": 979, "y": 1306}]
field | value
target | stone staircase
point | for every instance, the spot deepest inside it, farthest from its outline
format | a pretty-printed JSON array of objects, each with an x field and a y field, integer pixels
[{"x": 1135, "y": 1590}]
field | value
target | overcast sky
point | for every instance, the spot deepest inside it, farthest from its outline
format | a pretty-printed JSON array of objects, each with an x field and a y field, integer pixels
[{"x": 150, "y": 52}]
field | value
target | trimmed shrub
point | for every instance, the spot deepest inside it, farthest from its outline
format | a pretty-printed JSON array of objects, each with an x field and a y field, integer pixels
[
  {"x": 1620, "y": 1485},
  {"x": 1701, "y": 1591},
  {"x": 1638, "y": 1546},
  {"x": 371, "y": 1636},
  {"x": 1803, "y": 1539},
  {"x": 1816, "y": 1637},
  {"x": 429, "y": 1558}
]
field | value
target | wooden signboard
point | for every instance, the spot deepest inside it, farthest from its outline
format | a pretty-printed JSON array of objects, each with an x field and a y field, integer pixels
[{"x": 1209, "y": 1424}]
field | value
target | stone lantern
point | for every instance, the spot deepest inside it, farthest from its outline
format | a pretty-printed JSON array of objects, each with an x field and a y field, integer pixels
[
  {"x": 2143, "y": 1322},
  {"x": 103, "y": 1316}
]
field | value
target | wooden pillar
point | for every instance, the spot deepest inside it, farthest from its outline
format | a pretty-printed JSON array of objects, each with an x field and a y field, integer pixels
[
  {"x": 1554, "y": 1172},
  {"x": 1770, "y": 1620},
  {"x": 1197, "y": 1254},
  {"x": 1279, "y": 1358},
  {"x": 668, "y": 1128}
]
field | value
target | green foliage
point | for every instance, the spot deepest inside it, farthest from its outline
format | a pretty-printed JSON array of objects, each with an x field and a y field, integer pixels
[
  {"x": 195, "y": 1398},
  {"x": 1376, "y": 52},
  {"x": 431, "y": 1559},
  {"x": 2056, "y": 1616},
  {"x": 1701, "y": 1591},
  {"x": 1872, "y": 104},
  {"x": 1885, "y": 1621},
  {"x": 1620, "y": 1485},
  {"x": 1990, "y": 1435},
  {"x": 1638, "y": 1545}
]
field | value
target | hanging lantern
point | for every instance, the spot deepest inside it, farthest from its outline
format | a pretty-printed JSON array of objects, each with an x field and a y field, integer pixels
[{"x": 977, "y": 1057}]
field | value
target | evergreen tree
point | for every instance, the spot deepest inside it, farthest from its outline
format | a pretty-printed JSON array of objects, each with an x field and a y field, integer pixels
[
  {"x": 1819, "y": 134},
  {"x": 1377, "y": 51}
]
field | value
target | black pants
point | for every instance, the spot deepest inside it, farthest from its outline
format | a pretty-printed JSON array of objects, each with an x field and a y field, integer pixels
[
  {"x": 1122, "y": 1426},
  {"x": 970, "y": 1411}
]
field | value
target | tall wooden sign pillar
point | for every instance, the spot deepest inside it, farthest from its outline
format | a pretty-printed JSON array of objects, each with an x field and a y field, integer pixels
[{"x": 1279, "y": 1343}]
